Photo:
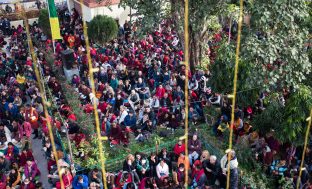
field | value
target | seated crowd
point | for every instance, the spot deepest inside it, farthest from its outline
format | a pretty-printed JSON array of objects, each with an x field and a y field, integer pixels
[{"x": 139, "y": 87}]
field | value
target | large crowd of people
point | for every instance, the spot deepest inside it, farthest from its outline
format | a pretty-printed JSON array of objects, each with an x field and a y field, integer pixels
[{"x": 139, "y": 87}]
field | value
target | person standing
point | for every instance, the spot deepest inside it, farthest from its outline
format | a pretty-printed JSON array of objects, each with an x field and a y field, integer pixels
[
  {"x": 31, "y": 116},
  {"x": 230, "y": 154}
]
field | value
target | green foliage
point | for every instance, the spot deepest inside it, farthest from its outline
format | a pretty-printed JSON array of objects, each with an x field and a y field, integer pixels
[
  {"x": 253, "y": 174},
  {"x": 102, "y": 29},
  {"x": 289, "y": 121},
  {"x": 85, "y": 121},
  {"x": 277, "y": 57},
  {"x": 286, "y": 183},
  {"x": 223, "y": 74},
  {"x": 44, "y": 22},
  {"x": 270, "y": 118},
  {"x": 223, "y": 68},
  {"x": 297, "y": 109}
]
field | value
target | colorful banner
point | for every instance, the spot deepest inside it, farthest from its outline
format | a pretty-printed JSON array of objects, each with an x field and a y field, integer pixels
[{"x": 54, "y": 22}]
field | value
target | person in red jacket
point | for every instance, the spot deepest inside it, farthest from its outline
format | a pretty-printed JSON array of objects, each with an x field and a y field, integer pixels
[
  {"x": 26, "y": 154},
  {"x": 67, "y": 178},
  {"x": 27, "y": 184},
  {"x": 115, "y": 134},
  {"x": 160, "y": 91},
  {"x": 179, "y": 148}
]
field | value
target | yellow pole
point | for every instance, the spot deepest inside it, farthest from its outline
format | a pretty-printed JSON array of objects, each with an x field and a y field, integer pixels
[
  {"x": 96, "y": 115},
  {"x": 304, "y": 148},
  {"x": 186, "y": 57},
  {"x": 240, "y": 21},
  {"x": 41, "y": 90}
]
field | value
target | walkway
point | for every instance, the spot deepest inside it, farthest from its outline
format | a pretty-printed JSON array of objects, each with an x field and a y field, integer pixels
[{"x": 41, "y": 160}]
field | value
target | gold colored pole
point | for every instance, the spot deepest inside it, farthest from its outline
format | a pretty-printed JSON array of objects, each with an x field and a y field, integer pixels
[
  {"x": 186, "y": 59},
  {"x": 304, "y": 148},
  {"x": 41, "y": 90},
  {"x": 240, "y": 21},
  {"x": 96, "y": 115}
]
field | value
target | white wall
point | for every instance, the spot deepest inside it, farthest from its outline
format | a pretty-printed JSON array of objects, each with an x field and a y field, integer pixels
[
  {"x": 113, "y": 11},
  {"x": 21, "y": 22},
  {"x": 27, "y": 5}
]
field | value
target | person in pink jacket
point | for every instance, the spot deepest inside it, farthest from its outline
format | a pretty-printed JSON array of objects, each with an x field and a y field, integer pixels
[
  {"x": 27, "y": 130},
  {"x": 24, "y": 131}
]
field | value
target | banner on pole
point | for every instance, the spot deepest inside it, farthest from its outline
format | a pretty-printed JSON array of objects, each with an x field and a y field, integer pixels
[{"x": 54, "y": 21}]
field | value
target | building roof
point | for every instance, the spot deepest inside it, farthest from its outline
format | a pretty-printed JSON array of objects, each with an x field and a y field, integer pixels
[{"x": 102, "y": 3}]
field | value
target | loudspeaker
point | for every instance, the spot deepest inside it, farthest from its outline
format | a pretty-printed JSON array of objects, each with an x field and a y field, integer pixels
[{"x": 68, "y": 58}]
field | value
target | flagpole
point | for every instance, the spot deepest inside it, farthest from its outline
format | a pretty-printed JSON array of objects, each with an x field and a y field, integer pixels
[{"x": 53, "y": 43}]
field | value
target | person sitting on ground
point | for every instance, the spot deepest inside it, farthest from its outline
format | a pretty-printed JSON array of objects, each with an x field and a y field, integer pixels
[
  {"x": 184, "y": 160},
  {"x": 278, "y": 167},
  {"x": 4, "y": 163},
  {"x": 115, "y": 134},
  {"x": 95, "y": 176},
  {"x": 129, "y": 166},
  {"x": 31, "y": 170},
  {"x": 25, "y": 154},
  {"x": 12, "y": 152},
  {"x": 134, "y": 99},
  {"x": 162, "y": 170},
  {"x": 193, "y": 116},
  {"x": 80, "y": 182},
  {"x": 166, "y": 156},
  {"x": 26, "y": 184},
  {"x": 142, "y": 166},
  {"x": 199, "y": 178},
  {"x": 194, "y": 148},
  {"x": 205, "y": 155},
  {"x": 130, "y": 121},
  {"x": 67, "y": 179},
  {"x": 14, "y": 178},
  {"x": 179, "y": 148},
  {"x": 179, "y": 175}
]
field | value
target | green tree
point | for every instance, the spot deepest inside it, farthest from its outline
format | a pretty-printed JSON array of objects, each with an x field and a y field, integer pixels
[
  {"x": 274, "y": 43},
  {"x": 296, "y": 111},
  {"x": 271, "y": 117},
  {"x": 102, "y": 29},
  {"x": 289, "y": 122},
  {"x": 222, "y": 74},
  {"x": 44, "y": 22}
]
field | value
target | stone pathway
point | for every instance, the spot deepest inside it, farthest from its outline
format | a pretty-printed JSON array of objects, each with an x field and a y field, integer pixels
[{"x": 41, "y": 160}]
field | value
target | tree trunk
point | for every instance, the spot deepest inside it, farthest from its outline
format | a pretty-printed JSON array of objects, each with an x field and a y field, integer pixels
[
  {"x": 177, "y": 13},
  {"x": 195, "y": 49}
]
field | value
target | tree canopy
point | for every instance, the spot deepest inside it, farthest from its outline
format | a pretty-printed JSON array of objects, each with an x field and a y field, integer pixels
[
  {"x": 44, "y": 22},
  {"x": 274, "y": 44},
  {"x": 102, "y": 29},
  {"x": 289, "y": 121}
]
